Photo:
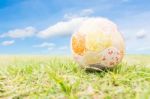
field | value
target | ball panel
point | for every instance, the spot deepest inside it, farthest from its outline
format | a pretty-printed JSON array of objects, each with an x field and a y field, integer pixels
[
  {"x": 78, "y": 44},
  {"x": 91, "y": 58},
  {"x": 98, "y": 41},
  {"x": 110, "y": 57}
]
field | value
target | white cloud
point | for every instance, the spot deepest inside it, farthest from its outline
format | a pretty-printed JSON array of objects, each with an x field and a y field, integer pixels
[
  {"x": 62, "y": 28},
  {"x": 66, "y": 27},
  {"x": 87, "y": 11},
  {"x": 8, "y": 43},
  {"x": 50, "y": 48},
  {"x": 141, "y": 34},
  {"x": 63, "y": 48},
  {"x": 20, "y": 33},
  {"x": 82, "y": 13},
  {"x": 143, "y": 48},
  {"x": 44, "y": 45}
]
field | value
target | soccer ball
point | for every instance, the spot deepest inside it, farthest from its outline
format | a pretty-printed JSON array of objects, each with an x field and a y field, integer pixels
[{"x": 97, "y": 44}]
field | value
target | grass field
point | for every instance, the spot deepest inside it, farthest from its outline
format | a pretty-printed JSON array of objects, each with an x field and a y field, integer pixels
[{"x": 46, "y": 77}]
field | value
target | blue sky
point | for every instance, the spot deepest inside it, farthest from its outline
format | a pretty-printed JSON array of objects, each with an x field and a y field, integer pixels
[{"x": 31, "y": 26}]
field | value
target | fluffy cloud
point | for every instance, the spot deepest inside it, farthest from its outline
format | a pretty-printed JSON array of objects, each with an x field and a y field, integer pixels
[
  {"x": 141, "y": 34},
  {"x": 20, "y": 33},
  {"x": 143, "y": 49},
  {"x": 44, "y": 44},
  {"x": 8, "y": 43},
  {"x": 63, "y": 48},
  {"x": 87, "y": 12},
  {"x": 66, "y": 27},
  {"x": 51, "y": 46},
  {"x": 82, "y": 13},
  {"x": 62, "y": 28},
  {"x": 47, "y": 45}
]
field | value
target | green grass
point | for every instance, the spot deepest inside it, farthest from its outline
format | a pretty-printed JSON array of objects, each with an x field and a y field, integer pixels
[{"x": 45, "y": 77}]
